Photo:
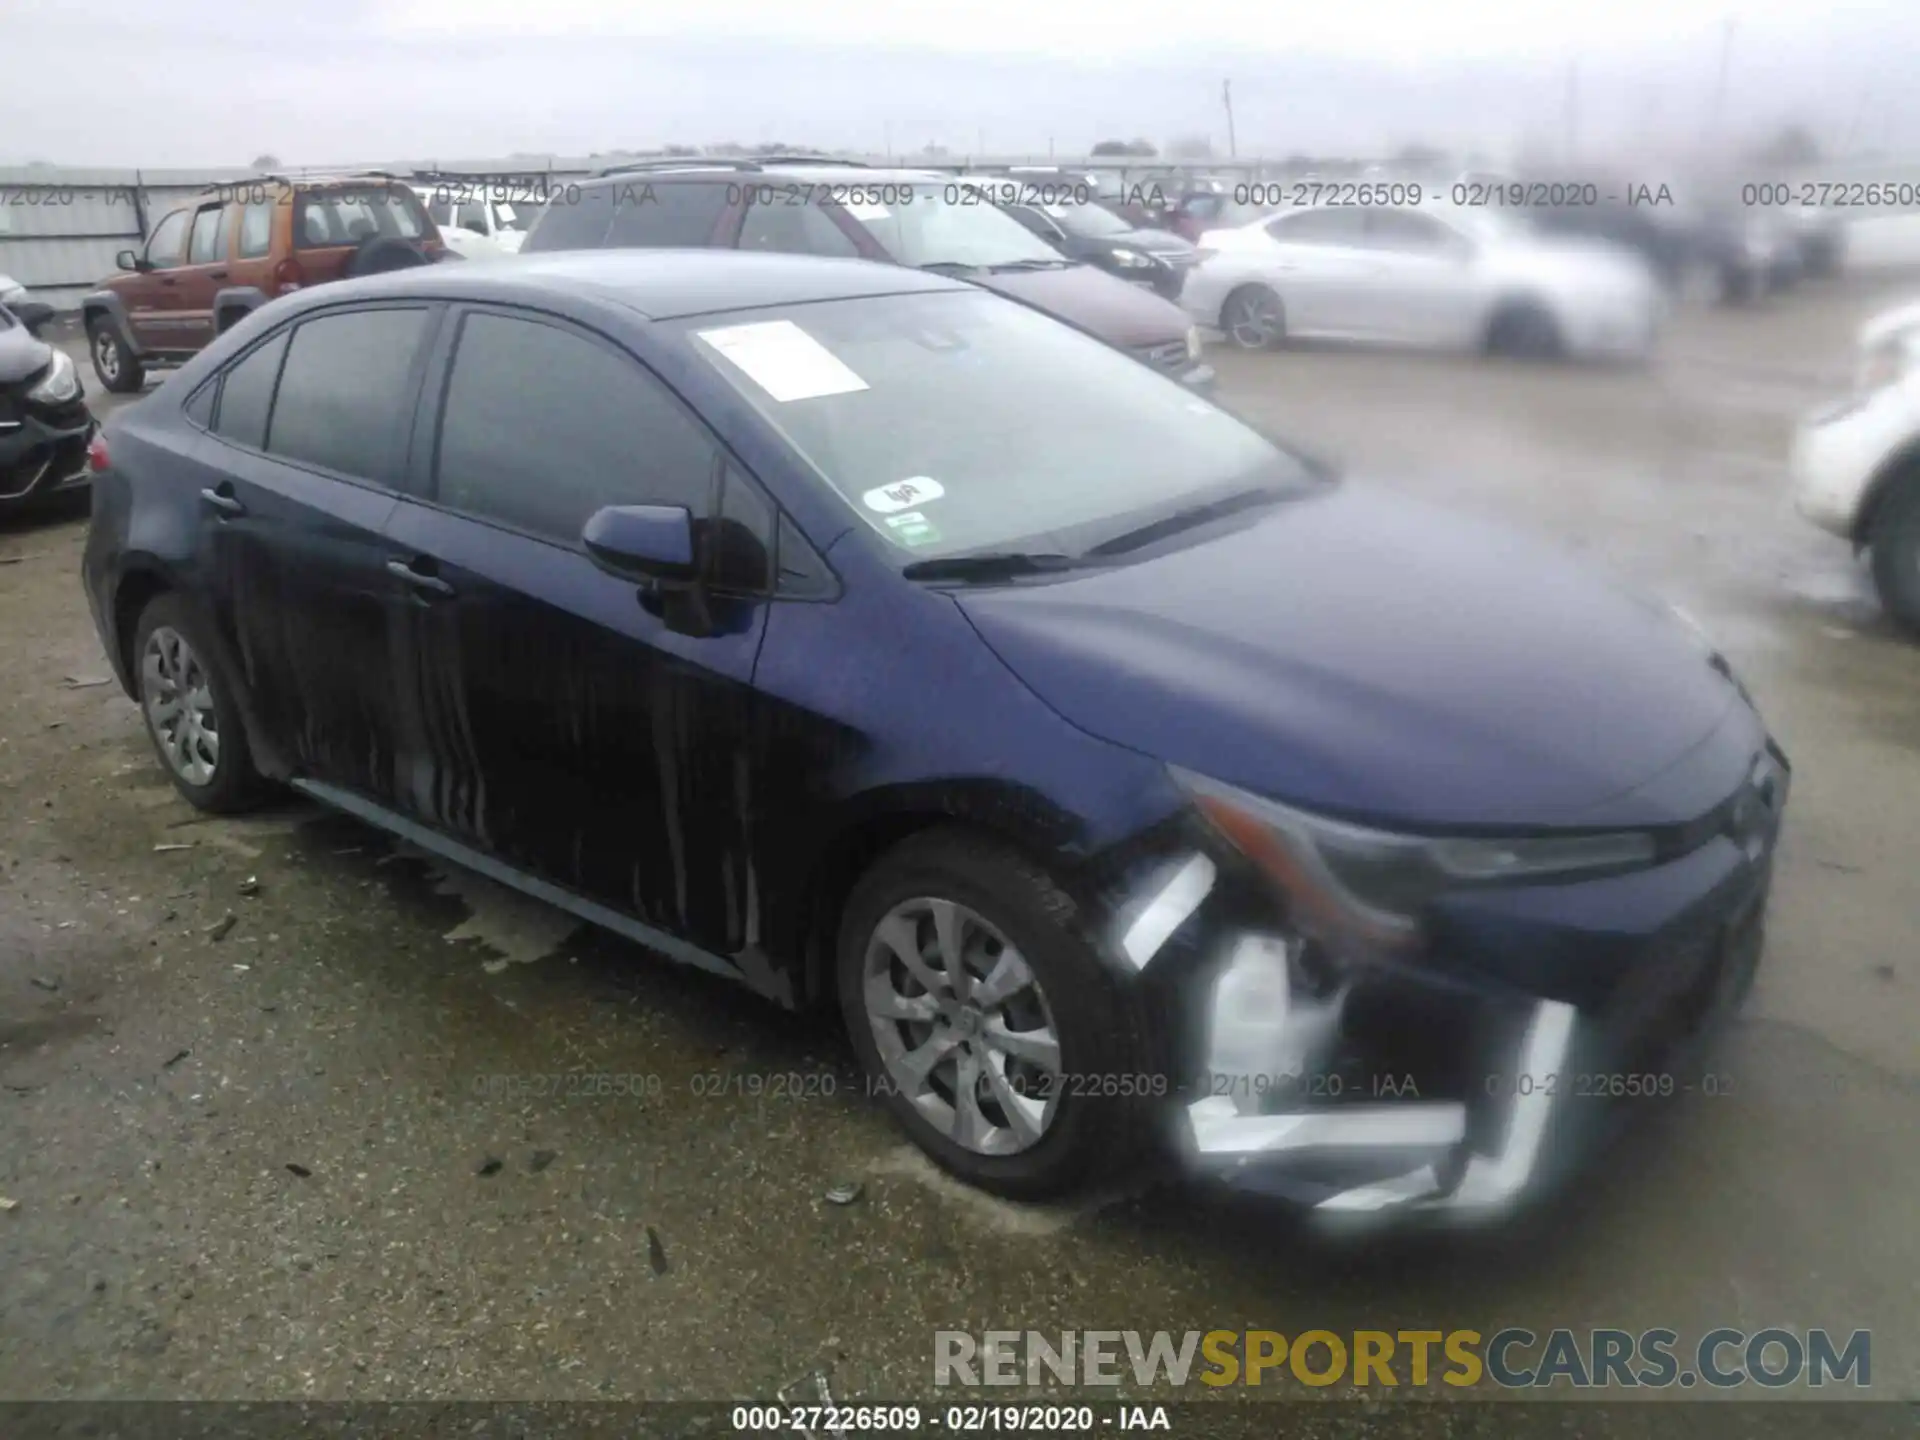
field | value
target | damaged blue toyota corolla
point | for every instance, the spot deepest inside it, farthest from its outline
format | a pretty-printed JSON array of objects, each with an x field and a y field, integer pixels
[{"x": 1138, "y": 794}]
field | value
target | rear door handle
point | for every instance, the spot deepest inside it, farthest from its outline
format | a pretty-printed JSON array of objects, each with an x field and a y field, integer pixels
[
  {"x": 433, "y": 584},
  {"x": 223, "y": 500},
  {"x": 216, "y": 274}
]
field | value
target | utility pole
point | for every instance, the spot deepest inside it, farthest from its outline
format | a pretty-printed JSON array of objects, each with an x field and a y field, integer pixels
[
  {"x": 1573, "y": 109},
  {"x": 1720, "y": 84},
  {"x": 1226, "y": 99}
]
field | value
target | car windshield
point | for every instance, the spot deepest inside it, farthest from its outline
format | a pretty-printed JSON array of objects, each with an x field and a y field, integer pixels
[
  {"x": 948, "y": 224},
  {"x": 516, "y": 214},
  {"x": 960, "y": 422},
  {"x": 1089, "y": 220}
]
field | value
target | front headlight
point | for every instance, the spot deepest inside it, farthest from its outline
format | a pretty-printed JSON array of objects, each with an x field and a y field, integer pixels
[
  {"x": 60, "y": 384},
  {"x": 1346, "y": 883},
  {"x": 1193, "y": 343},
  {"x": 1132, "y": 260}
]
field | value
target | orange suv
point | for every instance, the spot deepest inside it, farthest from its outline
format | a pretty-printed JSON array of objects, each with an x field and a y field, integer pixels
[{"x": 233, "y": 248}]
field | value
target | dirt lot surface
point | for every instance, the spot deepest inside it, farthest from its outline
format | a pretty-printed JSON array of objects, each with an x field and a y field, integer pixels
[{"x": 256, "y": 1131}]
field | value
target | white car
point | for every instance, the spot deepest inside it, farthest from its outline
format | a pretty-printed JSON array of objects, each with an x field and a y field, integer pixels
[
  {"x": 1440, "y": 278},
  {"x": 1856, "y": 463},
  {"x": 12, "y": 292},
  {"x": 477, "y": 226}
]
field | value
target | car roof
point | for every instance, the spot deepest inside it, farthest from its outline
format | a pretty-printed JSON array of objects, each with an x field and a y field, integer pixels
[{"x": 659, "y": 284}]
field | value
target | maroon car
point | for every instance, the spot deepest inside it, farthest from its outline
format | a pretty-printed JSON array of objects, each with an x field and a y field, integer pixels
[{"x": 904, "y": 217}]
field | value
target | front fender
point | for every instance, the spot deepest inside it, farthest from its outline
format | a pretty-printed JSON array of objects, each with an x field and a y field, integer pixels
[
  {"x": 107, "y": 303},
  {"x": 235, "y": 302}
]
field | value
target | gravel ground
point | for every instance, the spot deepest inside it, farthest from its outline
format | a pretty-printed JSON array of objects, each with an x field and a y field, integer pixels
[{"x": 258, "y": 1147}]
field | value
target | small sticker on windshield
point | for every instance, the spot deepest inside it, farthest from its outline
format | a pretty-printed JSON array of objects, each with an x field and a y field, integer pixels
[
  {"x": 902, "y": 495},
  {"x": 913, "y": 529},
  {"x": 784, "y": 360}
]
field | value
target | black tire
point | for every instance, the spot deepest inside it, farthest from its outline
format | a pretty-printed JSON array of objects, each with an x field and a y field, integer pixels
[
  {"x": 1525, "y": 330},
  {"x": 1089, "y": 1136},
  {"x": 233, "y": 784},
  {"x": 114, "y": 362},
  {"x": 1238, "y": 320},
  {"x": 377, "y": 254},
  {"x": 1895, "y": 541}
]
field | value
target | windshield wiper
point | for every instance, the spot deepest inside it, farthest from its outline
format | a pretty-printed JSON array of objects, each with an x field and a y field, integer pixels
[
  {"x": 989, "y": 565},
  {"x": 1186, "y": 519},
  {"x": 1056, "y": 264},
  {"x": 947, "y": 267}
]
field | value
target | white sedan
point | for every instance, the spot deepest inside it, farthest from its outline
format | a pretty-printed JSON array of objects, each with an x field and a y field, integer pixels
[
  {"x": 1856, "y": 463},
  {"x": 474, "y": 226},
  {"x": 1449, "y": 278}
]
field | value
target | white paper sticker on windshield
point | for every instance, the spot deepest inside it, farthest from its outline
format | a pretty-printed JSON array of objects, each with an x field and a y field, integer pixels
[
  {"x": 784, "y": 360},
  {"x": 866, "y": 210},
  {"x": 903, "y": 495}
]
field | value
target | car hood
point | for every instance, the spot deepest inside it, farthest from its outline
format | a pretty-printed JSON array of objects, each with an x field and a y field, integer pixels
[
  {"x": 1154, "y": 242},
  {"x": 21, "y": 354},
  {"x": 1359, "y": 654},
  {"x": 1119, "y": 313}
]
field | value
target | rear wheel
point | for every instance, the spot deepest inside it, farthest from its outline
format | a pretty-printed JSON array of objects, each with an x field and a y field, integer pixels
[
  {"x": 1002, "y": 1043},
  {"x": 1895, "y": 540},
  {"x": 1524, "y": 330},
  {"x": 114, "y": 362},
  {"x": 189, "y": 710},
  {"x": 1254, "y": 318}
]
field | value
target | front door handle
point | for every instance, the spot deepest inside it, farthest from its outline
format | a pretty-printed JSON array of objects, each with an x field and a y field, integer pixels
[
  {"x": 433, "y": 584},
  {"x": 216, "y": 274},
  {"x": 223, "y": 500}
]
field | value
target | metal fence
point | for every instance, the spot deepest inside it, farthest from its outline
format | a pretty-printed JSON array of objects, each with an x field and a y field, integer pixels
[{"x": 61, "y": 228}]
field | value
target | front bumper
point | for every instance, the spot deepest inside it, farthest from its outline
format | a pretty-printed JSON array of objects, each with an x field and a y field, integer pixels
[
  {"x": 41, "y": 455},
  {"x": 1539, "y": 1022}
]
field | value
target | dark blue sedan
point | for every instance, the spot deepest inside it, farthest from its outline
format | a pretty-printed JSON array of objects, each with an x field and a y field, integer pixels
[{"x": 1137, "y": 793}]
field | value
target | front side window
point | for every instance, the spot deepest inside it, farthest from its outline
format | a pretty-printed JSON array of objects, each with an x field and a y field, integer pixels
[
  {"x": 543, "y": 426},
  {"x": 246, "y": 393},
  {"x": 959, "y": 421},
  {"x": 168, "y": 241},
  {"x": 345, "y": 391},
  {"x": 1330, "y": 225},
  {"x": 950, "y": 224},
  {"x": 1409, "y": 233}
]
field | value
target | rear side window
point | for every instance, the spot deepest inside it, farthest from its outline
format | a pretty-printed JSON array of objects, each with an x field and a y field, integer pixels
[
  {"x": 256, "y": 230},
  {"x": 209, "y": 241},
  {"x": 246, "y": 394},
  {"x": 345, "y": 390},
  {"x": 656, "y": 214},
  {"x": 1331, "y": 225},
  {"x": 543, "y": 426},
  {"x": 348, "y": 216},
  {"x": 575, "y": 219}
]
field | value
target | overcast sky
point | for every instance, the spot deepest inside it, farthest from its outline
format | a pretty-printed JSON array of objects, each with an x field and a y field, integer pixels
[{"x": 212, "y": 82}]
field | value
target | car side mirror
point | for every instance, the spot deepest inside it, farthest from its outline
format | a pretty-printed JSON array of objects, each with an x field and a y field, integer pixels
[
  {"x": 127, "y": 260},
  {"x": 643, "y": 542},
  {"x": 33, "y": 314}
]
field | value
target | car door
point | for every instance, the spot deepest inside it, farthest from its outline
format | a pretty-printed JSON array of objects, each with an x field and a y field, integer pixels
[
  {"x": 560, "y": 721},
  {"x": 1423, "y": 289},
  {"x": 149, "y": 293},
  {"x": 189, "y": 290},
  {"x": 1321, "y": 268},
  {"x": 312, "y": 424},
  {"x": 252, "y": 264}
]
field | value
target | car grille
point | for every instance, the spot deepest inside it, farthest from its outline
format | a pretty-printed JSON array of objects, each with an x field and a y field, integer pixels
[{"x": 1170, "y": 356}]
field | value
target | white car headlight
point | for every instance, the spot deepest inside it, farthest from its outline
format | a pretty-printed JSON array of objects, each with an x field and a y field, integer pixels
[
  {"x": 60, "y": 384},
  {"x": 1132, "y": 260},
  {"x": 1348, "y": 886}
]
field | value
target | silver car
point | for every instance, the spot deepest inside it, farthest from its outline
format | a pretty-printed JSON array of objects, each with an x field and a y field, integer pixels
[{"x": 1441, "y": 278}]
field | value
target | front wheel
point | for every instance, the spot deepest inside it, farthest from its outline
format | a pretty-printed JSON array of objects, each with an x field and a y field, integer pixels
[
  {"x": 1895, "y": 540},
  {"x": 114, "y": 362},
  {"x": 1253, "y": 318},
  {"x": 1003, "y": 1044}
]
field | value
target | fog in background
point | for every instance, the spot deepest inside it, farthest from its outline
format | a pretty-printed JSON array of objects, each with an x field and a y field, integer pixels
[{"x": 208, "y": 82}]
